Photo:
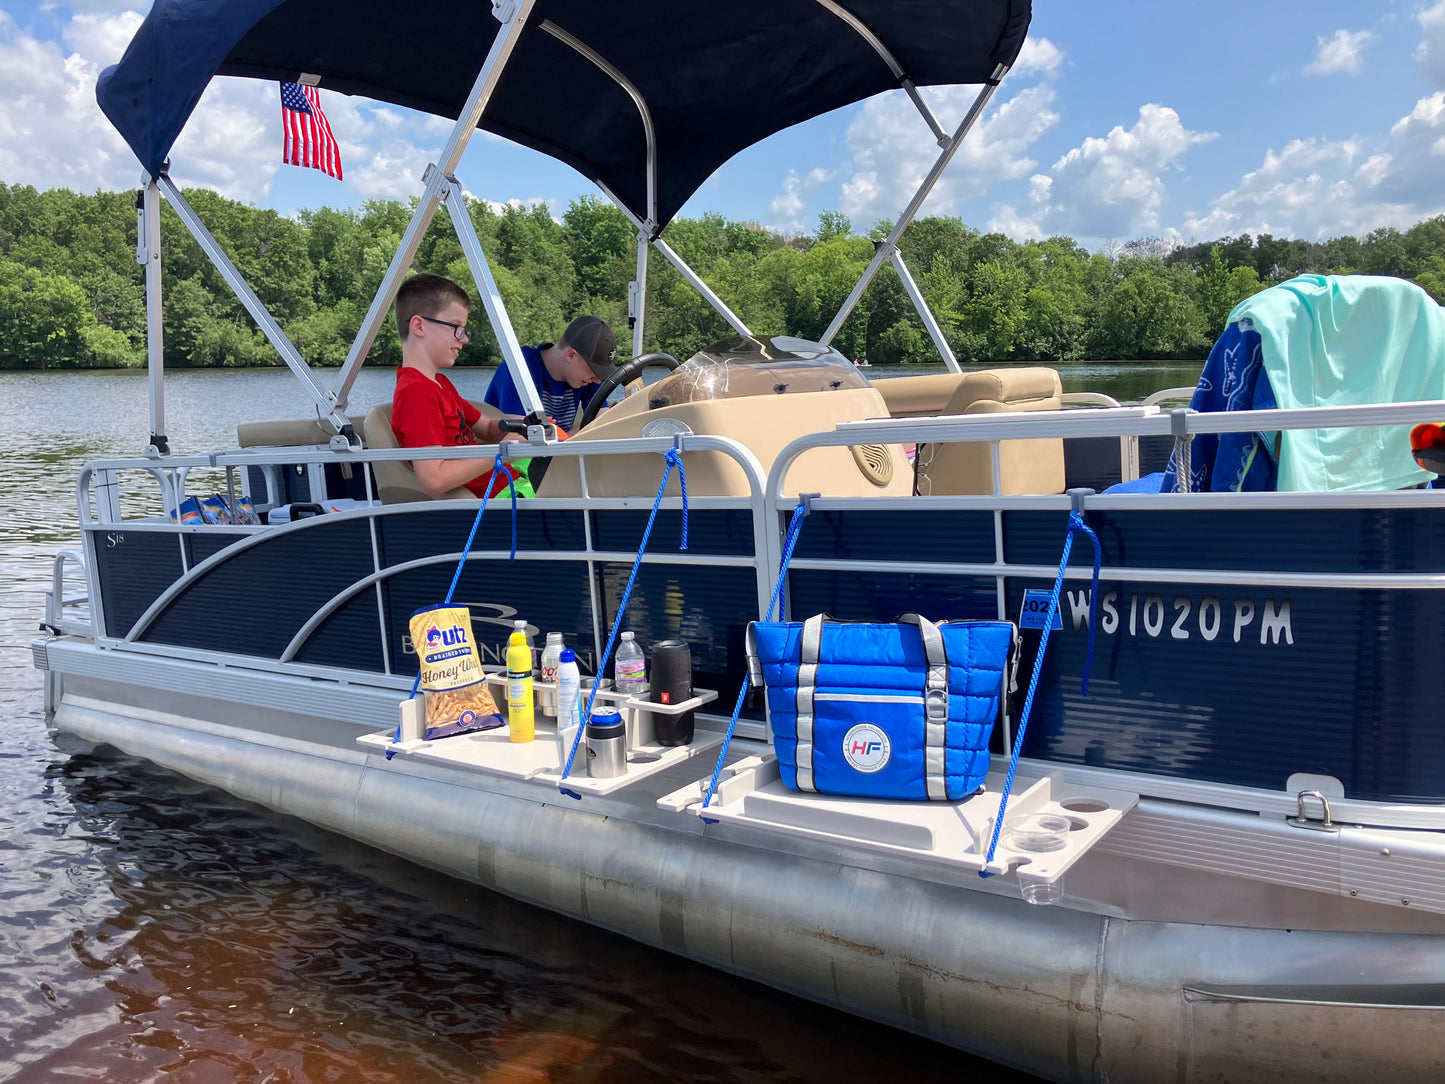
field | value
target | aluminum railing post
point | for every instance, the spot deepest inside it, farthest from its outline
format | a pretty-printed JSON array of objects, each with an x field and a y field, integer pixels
[
  {"x": 513, "y": 15},
  {"x": 325, "y": 400},
  {"x": 637, "y": 296},
  {"x": 940, "y": 164},
  {"x": 930, "y": 322},
  {"x": 148, "y": 252},
  {"x": 706, "y": 291},
  {"x": 491, "y": 297}
]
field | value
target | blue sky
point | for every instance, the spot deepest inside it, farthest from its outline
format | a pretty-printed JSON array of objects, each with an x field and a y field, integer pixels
[{"x": 1180, "y": 119}]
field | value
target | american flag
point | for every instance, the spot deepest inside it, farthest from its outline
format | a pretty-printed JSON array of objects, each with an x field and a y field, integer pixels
[{"x": 309, "y": 141}]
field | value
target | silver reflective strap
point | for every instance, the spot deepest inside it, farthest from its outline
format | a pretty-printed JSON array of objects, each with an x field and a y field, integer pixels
[
  {"x": 812, "y": 647},
  {"x": 755, "y": 664},
  {"x": 935, "y": 707}
]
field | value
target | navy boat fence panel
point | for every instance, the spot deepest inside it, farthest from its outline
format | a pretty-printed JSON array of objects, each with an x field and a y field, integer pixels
[
  {"x": 706, "y": 607},
  {"x": 1245, "y": 540},
  {"x": 1237, "y": 682},
  {"x": 255, "y": 602},
  {"x": 337, "y": 591},
  {"x": 1248, "y": 686},
  {"x": 551, "y": 596},
  {"x": 134, "y": 568}
]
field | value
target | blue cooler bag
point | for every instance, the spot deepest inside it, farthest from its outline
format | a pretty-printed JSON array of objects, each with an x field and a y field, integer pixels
[{"x": 901, "y": 710}]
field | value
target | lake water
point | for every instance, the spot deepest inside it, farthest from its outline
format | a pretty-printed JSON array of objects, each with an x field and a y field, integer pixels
[{"x": 151, "y": 928}]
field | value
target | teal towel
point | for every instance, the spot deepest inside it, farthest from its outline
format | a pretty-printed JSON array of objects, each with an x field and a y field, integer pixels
[{"x": 1348, "y": 340}]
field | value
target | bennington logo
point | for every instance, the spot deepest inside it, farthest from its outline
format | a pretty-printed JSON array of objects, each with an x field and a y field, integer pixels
[
  {"x": 866, "y": 748},
  {"x": 491, "y": 626}
]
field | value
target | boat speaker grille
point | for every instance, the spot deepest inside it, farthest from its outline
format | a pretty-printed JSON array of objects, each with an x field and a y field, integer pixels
[{"x": 874, "y": 462}]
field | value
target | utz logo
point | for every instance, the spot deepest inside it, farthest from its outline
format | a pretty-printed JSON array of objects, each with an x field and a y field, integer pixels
[
  {"x": 436, "y": 637},
  {"x": 866, "y": 748}
]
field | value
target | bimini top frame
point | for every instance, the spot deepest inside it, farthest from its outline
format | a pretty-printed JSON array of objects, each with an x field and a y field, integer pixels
[{"x": 686, "y": 82}]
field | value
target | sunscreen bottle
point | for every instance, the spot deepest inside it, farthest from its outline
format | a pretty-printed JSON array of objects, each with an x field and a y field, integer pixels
[
  {"x": 519, "y": 688},
  {"x": 569, "y": 700}
]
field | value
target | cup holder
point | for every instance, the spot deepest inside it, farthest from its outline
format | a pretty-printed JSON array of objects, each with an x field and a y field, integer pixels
[{"x": 1084, "y": 805}]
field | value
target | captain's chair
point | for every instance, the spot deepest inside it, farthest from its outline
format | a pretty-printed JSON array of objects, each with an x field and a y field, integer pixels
[
  {"x": 396, "y": 481},
  {"x": 1025, "y": 466}
]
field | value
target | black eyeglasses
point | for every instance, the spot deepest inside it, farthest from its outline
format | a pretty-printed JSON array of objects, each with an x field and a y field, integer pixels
[{"x": 459, "y": 330}]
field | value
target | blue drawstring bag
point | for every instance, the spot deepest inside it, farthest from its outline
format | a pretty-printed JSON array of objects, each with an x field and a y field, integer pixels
[{"x": 901, "y": 710}]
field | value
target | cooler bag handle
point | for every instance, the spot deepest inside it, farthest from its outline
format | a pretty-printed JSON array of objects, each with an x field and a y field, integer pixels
[
  {"x": 807, "y": 685},
  {"x": 935, "y": 705}
]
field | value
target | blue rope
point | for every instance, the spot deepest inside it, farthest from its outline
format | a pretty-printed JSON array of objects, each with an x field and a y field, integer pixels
[
  {"x": 673, "y": 459},
  {"x": 795, "y": 526},
  {"x": 1076, "y": 524},
  {"x": 457, "y": 575}
]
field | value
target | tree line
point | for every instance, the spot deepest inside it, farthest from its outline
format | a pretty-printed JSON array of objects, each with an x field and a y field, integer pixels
[{"x": 72, "y": 294}]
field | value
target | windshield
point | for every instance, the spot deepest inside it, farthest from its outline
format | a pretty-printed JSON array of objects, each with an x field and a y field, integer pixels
[{"x": 752, "y": 365}]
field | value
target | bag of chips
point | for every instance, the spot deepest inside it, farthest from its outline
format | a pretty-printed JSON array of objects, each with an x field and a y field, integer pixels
[
  {"x": 457, "y": 699},
  {"x": 189, "y": 512}
]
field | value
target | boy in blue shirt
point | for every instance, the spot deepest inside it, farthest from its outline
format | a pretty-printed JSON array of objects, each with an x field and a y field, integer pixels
[{"x": 566, "y": 372}]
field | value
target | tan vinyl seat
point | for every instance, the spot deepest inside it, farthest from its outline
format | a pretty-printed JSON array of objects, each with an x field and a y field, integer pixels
[
  {"x": 396, "y": 481},
  {"x": 1025, "y": 466},
  {"x": 290, "y": 433}
]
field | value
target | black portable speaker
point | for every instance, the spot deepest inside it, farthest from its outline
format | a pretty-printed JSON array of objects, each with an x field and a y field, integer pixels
[{"x": 671, "y": 683}]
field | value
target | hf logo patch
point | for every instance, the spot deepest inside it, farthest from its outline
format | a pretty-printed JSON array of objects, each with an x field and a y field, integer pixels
[{"x": 866, "y": 748}]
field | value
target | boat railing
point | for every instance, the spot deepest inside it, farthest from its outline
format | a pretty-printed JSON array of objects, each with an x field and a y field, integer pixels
[
  {"x": 1124, "y": 422},
  {"x": 1129, "y": 423},
  {"x": 1128, "y": 446},
  {"x": 1164, "y": 395},
  {"x": 104, "y": 525}
]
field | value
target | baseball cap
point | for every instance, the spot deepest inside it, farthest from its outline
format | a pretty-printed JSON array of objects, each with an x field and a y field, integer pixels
[{"x": 593, "y": 339}]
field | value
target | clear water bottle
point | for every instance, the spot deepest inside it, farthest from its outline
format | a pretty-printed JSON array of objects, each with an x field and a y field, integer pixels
[
  {"x": 521, "y": 626},
  {"x": 631, "y": 667}
]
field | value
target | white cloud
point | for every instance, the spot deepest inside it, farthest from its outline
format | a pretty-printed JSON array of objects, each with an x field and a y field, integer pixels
[
  {"x": 1037, "y": 55},
  {"x": 893, "y": 150},
  {"x": 1319, "y": 188},
  {"x": 51, "y": 131},
  {"x": 1340, "y": 53},
  {"x": 232, "y": 142},
  {"x": 1109, "y": 187},
  {"x": 787, "y": 207},
  {"x": 1430, "y": 53}
]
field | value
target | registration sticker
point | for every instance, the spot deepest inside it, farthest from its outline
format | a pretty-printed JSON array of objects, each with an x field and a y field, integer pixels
[{"x": 1035, "y": 611}]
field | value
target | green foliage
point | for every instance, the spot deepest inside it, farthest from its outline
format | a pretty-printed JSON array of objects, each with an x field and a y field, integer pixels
[{"x": 72, "y": 294}]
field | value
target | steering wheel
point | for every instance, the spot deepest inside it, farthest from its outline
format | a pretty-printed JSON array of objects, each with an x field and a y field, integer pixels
[{"x": 625, "y": 375}]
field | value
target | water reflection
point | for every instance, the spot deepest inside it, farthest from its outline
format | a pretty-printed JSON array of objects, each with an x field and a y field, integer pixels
[{"x": 220, "y": 943}]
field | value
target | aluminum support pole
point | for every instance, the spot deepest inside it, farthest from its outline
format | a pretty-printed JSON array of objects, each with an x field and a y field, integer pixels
[
  {"x": 939, "y": 165},
  {"x": 148, "y": 250},
  {"x": 325, "y": 401},
  {"x": 491, "y": 297},
  {"x": 637, "y": 296},
  {"x": 513, "y": 15},
  {"x": 886, "y": 55},
  {"x": 719, "y": 306},
  {"x": 649, "y": 132},
  {"x": 701, "y": 287},
  {"x": 925, "y": 313}
]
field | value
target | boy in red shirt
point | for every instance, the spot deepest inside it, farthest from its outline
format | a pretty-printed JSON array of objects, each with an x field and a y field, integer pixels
[{"x": 426, "y": 410}]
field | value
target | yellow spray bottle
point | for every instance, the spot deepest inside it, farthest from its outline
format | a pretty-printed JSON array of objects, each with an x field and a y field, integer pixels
[{"x": 519, "y": 688}]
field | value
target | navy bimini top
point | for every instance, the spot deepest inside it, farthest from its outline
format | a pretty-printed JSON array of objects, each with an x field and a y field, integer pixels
[{"x": 716, "y": 75}]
